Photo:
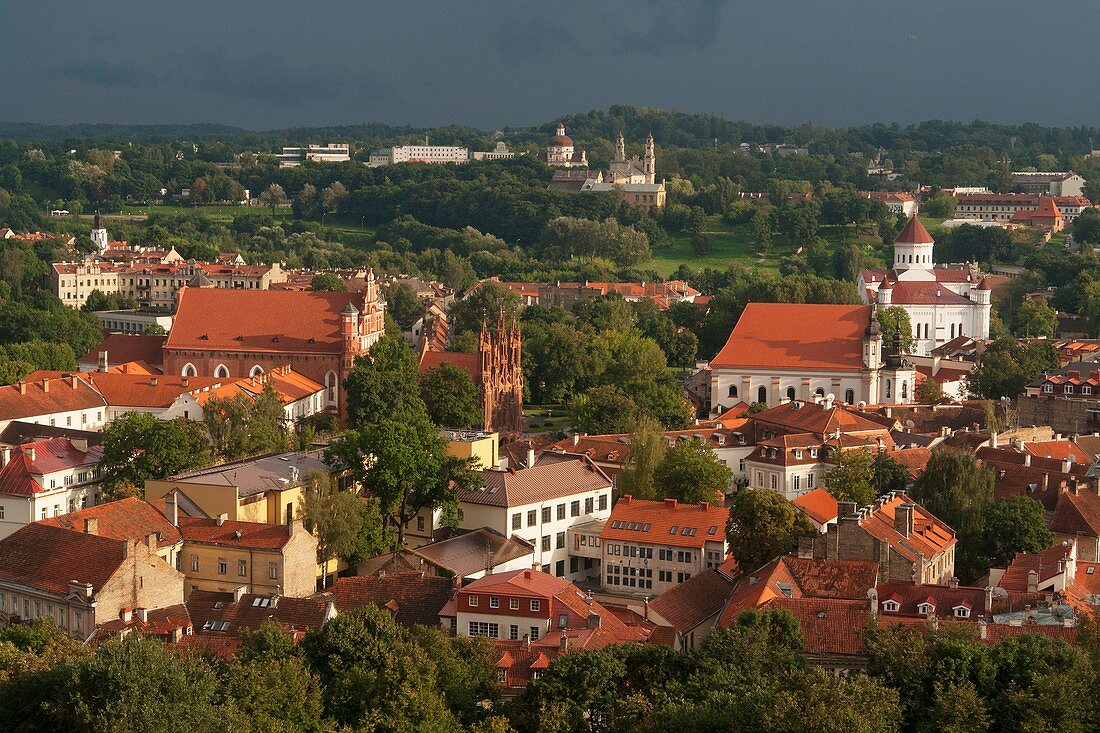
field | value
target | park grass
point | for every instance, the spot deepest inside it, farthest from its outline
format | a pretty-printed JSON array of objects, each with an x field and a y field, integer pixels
[
  {"x": 547, "y": 418},
  {"x": 730, "y": 244},
  {"x": 227, "y": 213}
]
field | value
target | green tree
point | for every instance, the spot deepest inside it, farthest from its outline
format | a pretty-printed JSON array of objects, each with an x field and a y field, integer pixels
[
  {"x": 893, "y": 320},
  {"x": 483, "y": 305},
  {"x": 242, "y": 425},
  {"x": 959, "y": 492},
  {"x": 762, "y": 526},
  {"x": 604, "y": 410},
  {"x": 328, "y": 281},
  {"x": 384, "y": 383},
  {"x": 939, "y": 205},
  {"x": 928, "y": 392},
  {"x": 138, "y": 447},
  {"x": 887, "y": 474},
  {"x": 402, "y": 303},
  {"x": 273, "y": 196},
  {"x": 852, "y": 476},
  {"x": 277, "y": 695},
  {"x": 408, "y": 468},
  {"x": 691, "y": 472},
  {"x": 647, "y": 449},
  {"x": 1035, "y": 318},
  {"x": 346, "y": 525},
  {"x": 1012, "y": 525},
  {"x": 451, "y": 397}
]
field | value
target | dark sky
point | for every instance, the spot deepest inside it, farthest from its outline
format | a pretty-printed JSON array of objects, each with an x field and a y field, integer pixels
[{"x": 280, "y": 63}]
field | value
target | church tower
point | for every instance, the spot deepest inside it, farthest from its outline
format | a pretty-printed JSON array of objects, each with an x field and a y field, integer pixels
[
  {"x": 913, "y": 252},
  {"x": 99, "y": 235},
  {"x": 649, "y": 162},
  {"x": 620, "y": 148}
]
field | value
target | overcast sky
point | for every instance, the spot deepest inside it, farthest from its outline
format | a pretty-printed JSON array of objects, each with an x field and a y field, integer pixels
[{"x": 279, "y": 63}]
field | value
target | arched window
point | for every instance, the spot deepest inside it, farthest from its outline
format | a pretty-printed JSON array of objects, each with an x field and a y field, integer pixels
[
  {"x": 819, "y": 392},
  {"x": 926, "y": 330},
  {"x": 221, "y": 371},
  {"x": 256, "y": 371},
  {"x": 762, "y": 395},
  {"x": 850, "y": 396},
  {"x": 904, "y": 390},
  {"x": 189, "y": 370},
  {"x": 330, "y": 386},
  {"x": 952, "y": 330},
  {"x": 733, "y": 390},
  {"x": 790, "y": 393},
  {"x": 887, "y": 389}
]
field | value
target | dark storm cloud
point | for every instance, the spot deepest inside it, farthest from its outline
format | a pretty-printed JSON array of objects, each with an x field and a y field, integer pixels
[{"x": 275, "y": 63}]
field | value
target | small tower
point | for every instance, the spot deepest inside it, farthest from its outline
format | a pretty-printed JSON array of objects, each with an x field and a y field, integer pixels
[
  {"x": 982, "y": 298},
  {"x": 649, "y": 162},
  {"x": 99, "y": 234},
  {"x": 885, "y": 294},
  {"x": 620, "y": 148},
  {"x": 913, "y": 252},
  {"x": 349, "y": 321}
]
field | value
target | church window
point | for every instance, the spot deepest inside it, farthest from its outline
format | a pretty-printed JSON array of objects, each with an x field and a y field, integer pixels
[
  {"x": 790, "y": 393},
  {"x": 255, "y": 371},
  {"x": 189, "y": 370},
  {"x": 887, "y": 389},
  {"x": 733, "y": 390},
  {"x": 221, "y": 371},
  {"x": 330, "y": 386},
  {"x": 904, "y": 389},
  {"x": 952, "y": 330},
  {"x": 762, "y": 395},
  {"x": 850, "y": 396}
]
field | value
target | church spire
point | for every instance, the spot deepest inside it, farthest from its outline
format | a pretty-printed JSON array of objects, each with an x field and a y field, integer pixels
[
  {"x": 649, "y": 162},
  {"x": 620, "y": 148}
]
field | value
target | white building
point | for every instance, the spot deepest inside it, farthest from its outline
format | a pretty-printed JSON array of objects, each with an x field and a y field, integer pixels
[
  {"x": 561, "y": 153},
  {"x": 779, "y": 352},
  {"x": 457, "y": 154},
  {"x": 331, "y": 153},
  {"x": 65, "y": 403},
  {"x": 500, "y": 152},
  {"x": 539, "y": 505},
  {"x": 898, "y": 202},
  {"x": 100, "y": 238},
  {"x": 942, "y": 303},
  {"x": 1050, "y": 183},
  {"x": 47, "y": 478}
]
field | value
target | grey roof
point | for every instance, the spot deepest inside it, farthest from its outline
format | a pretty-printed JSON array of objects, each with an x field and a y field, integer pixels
[
  {"x": 481, "y": 549},
  {"x": 257, "y": 475},
  {"x": 542, "y": 482}
]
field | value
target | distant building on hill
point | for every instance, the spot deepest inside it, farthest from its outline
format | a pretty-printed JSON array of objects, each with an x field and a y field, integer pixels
[{"x": 1065, "y": 183}]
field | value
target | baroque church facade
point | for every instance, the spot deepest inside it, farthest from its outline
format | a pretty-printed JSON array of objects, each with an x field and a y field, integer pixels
[
  {"x": 942, "y": 303},
  {"x": 632, "y": 181}
]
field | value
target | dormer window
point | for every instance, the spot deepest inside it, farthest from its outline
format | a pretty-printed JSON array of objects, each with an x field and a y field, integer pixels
[
  {"x": 1068, "y": 389},
  {"x": 813, "y": 452},
  {"x": 926, "y": 609},
  {"x": 798, "y": 453},
  {"x": 1048, "y": 388},
  {"x": 1086, "y": 389},
  {"x": 891, "y": 606},
  {"x": 961, "y": 612}
]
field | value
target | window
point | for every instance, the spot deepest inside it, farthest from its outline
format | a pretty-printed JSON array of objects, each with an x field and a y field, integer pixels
[
  {"x": 559, "y": 568},
  {"x": 242, "y": 568},
  {"x": 797, "y": 482},
  {"x": 534, "y": 632},
  {"x": 574, "y": 508},
  {"x": 272, "y": 571},
  {"x": 962, "y": 612},
  {"x": 775, "y": 482},
  {"x": 517, "y": 521},
  {"x": 513, "y": 632},
  {"x": 891, "y": 606},
  {"x": 545, "y": 514},
  {"x": 603, "y": 502},
  {"x": 588, "y": 504},
  {"x": 222, "y": 567},
  {"x": 546, "y": 543},
  {"x": 1, "y": 512},
  {"x": 513, "y": 604},
  {"x": 1086, "y": 389},
  {"x": 1048, "y": 388},
  {"x": 762, "y": 395},
  {"x": 420, "y": 524},
  {"x": 221, "y": 371},
  {"x": 536, "y": 604},
  {"x": 790, "y": 393},
  {"x": 733, "y": 390},
  {"x": 1068, "y": 389},
  {"x": 561, "y": 512},
  {"x": 484, "y": 628},
  {"x": 850, "y": 396},
  {"x": 194, "y": 563},
  {"x": 904, "y": 390},
  {"x": 809, "y": 480},
  {"x": 494, "y": 601},
  {"x": 473, "y": 600},
  {"x": 559, "y": 541},
  {"x": 532, "y": 518}
]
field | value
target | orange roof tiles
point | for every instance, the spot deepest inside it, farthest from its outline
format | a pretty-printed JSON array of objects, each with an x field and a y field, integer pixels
[
  {"x": 31, "y": 399},
  {"x": 233, "y": 533},
  {"x": 46, "y": 557},
  {"x": 828, "y": 626},
  {"x": 125, "y": 519},
  {"x": 126, "y": 347},
  {"x": 797, "y": 336},
  {"x": 1047, "y": 564},
  {"x": 819, "y": 505},
  {"x": 18, "y": 475},
  {"x": 930, "y": 536},
  {"x": 914, "y": 233},
  {"x": 665, "y": 522},
  {"x": 1059, "y": 449},
  {"x": 411, "y": 597},
  {"x": 469, "y": 363},
  {"x": 693, "y": 601}
]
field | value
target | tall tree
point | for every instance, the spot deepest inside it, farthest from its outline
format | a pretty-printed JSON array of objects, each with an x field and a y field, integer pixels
[
  {"x": 1012, "y": 525},
  {"x": 762, "y": 526},
  {"x": 273, "y": 196},
  {"x": 138, "y": 447},
  {"x": 384, "y": 383},
  {"x": 852, "y": 477},
  {"x": 647, "y": 449},
  {"x": 451, "y": 397},
  {"x": 691, "y": 472},
  {"x": 328, "y": 281},
  {"x": 341, "y": 520}
]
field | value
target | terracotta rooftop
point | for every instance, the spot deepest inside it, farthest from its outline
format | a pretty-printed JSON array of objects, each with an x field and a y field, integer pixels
[
  {"x": 475, "y": 551},
  {"x": 914, "y": 233},
  {"x": 1047, "y": 564},
  {"x": 125, "y": 347},
  {"x": 692, "y": 602},
  {"x": 929, "y": 537},
  {"x": 126, "y": 519},
  {"x": 232, "y": 533},
  {"x": 797, "y": 336},
  {"x": 667, "y": 523},
  {"x": 412, "y": 598},
  {"x": 819, "y": 505},
  {"x": 46, "y": 557},
  {"x": 218, "y": 614},
  {"x": 829, "y": 626},
  {"x": 22, "y": 476},
  {"x": 944, "y": 600},
  {"x": 469, "y": 363},
  {"x": 30, "y": 399}
]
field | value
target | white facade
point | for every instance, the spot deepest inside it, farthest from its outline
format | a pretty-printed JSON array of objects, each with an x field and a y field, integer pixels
[
  {"x": 456, "y": 154},
  {"x": 67, "y": 489}
]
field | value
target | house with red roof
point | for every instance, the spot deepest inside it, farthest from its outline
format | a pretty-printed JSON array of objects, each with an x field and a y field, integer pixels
[
  {"x": 692, "y": 607},
  {"x": 819, "y": 506},
  {"x": 47, "y": 478},
  {"x": 778, "y": 352},
  {"x": 412, "y": 597},
  {"x": 64, "y": 403},
  {"x": 1046, "y": 215},
  {"x": 942, "y": 303},
  {"x": 647, "y": 547},
  {"x": 907, "y": 541}
]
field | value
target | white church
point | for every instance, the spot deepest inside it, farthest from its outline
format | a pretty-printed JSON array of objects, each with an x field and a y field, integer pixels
[{"x": 943, "y": 304}]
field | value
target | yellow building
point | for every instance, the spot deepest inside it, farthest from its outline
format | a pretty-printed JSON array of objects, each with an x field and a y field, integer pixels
[{"x": 482, "y": 447}]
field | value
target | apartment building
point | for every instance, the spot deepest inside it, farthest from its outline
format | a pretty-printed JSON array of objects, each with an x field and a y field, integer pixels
[
  {"x": 65, "y": 403},
  {"x": 73, "y": 282},
  {"x": 1003, "y": 206},
  {"x": 47, "y": 478},
  {"x": 1049, "y": 183},
  {"x": 432, "y": 154},
  {"x": 330, "y": 153}
]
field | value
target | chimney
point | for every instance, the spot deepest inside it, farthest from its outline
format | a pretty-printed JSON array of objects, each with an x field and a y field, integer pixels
[
  {"x": 238, "y": 593},
  {"x": 530, "y": 455},
  {"x": 22, "y": 387},
  {"x": 1067, "y": 465},
  {"x": 576, "y": 438},
  {"x": 526, "y": 574},
  {"x": 46, "y": 385},
  {"x": 1046, "y": 481},
  {"x": 91, "y": 525},
  {"x": 953, "y": 583},
  {"x": 845, "y": 509},
  {"x": 28, "y": 451},
  {"x": 103, "y": 363},
  {"x": 903, "y": 519},
  {"x": 563, "y": 644},
  {"x": 75, "y": 379},
  {"x": 126, "y": 615},
  {"x": 670, "y": 503},
  {"x": 527, "y": 640},
  {"x": 872, "y": 595},
  {"x": 1032, "y": 581},
  {"x": 993, "y": 440},
  {"x": 222, "y": 518},
  {"x": 142, "y": 614},
  {"x": 704, "y": 505},
  {"x": 186, "y": 381},
  {"x": 5, "y": 455},
  {"x": 172, "y": 508},
  {"x": 982, "y": 631},
  {"x": 1027, "y": 459},
  {"x": 152, "y": 541}
]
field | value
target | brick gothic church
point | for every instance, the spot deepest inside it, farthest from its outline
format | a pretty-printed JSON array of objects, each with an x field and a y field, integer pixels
[
  {"x": 220, "y": 332},
  {"x": 496, "y": 369}
]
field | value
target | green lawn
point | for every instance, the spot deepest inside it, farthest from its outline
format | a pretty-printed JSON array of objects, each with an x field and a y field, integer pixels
[
  {"x": 547, "y": 418},
  {"x": 729, "y": 244}
]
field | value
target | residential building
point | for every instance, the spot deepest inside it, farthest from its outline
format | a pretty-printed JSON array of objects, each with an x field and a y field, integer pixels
[
  {"x": 906, "y": 599},
  {"x": 157, "y": 286},
  {"x": 1003, "y": 206},
  {"x": 692, "y": 607},
  {"x": 1046, "y": 216},
  {"x": 66, "y": 403},
  {"x": 1064, "y": 183},
  {"x": 47, "y": 478},
  {"x": 647, "y": 547},
  {"x": 266, "y": 489},
  {"x": 898, "y": 202},
  {"x": 413, "y": 598},
  {"x": 782, "y": 351},
  {"x": 225, "y": 616},
  {"x": 539, "y": 505},
  {"x": 318, "y": 334},
  {"x": 117, "y": 349},
  {"x": 819, "y": 506},
  {"x": 1076, "y": 518},
  {"x": 79, "y": 579},
  {"x": 133, "y": 320},
  {"x": 568, "y": 294},
  {"x": 906, "y": 540},
  {"x": 432, "y": 154},
  {"x": 127, "y": 519},
  {"x": 73, "y": 282},
  {"x": 942, "y": 303}
]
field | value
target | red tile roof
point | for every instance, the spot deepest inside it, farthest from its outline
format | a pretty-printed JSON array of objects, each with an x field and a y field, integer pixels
[
  {"x": 137, "y": 390},
  {"x": 914, "y": 233},
  {"x": 260, "y": 320},
  {"x": 125, "y": 347},
  {"x": 944, "y": 599},
  {"x": 806, "y": 417},
  {"x": 159, "y": 622},
  {"x": 1059, "y": 449},
  {"x": 819, "y": 505},
  {"x": 47, "y": 557},
  {"x": 413, "y": 598},
  {"x": 930, "y": 536},
  {"x": 232, "y": 533},
  {"x": 1048, "y": 564},
  {"x": 667, "y": 522},
  {"x": 21, "y": 476},
  {"x": 469, "y": 363},
  {"x": 61, "y": 395},
  {"x": 564, "y": 599},
  {"x": 252, "y": 612},
  {"x": 914, "y": 459},
  {"x": 828, "y": 626},
  {"x": 797, "y": 336},
  {"x": 126, "y": 519},
  {"x": 692, "y": 602},
  {"x": 910, "y": 292},
  {"x": 1077, "y": 513}
]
